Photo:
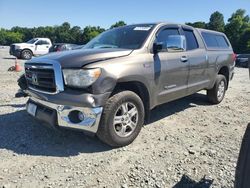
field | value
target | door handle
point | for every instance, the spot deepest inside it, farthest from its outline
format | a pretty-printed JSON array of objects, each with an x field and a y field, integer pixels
[{"x": 184, "y": 59}]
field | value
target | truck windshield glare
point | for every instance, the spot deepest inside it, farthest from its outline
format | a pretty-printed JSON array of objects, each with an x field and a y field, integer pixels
[{"x": 128, "y": 37}]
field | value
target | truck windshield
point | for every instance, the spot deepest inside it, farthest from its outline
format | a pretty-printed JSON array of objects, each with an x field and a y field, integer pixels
[
  {"x": 127, "y": 37},
  {"x": 32, "y": 41}
]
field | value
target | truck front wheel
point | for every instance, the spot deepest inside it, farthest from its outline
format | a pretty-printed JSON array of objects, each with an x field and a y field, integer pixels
[
  {"x": 122, "y": 119},
  {"x": 26, "y": 54},
  {"x": 217, "y": 93}
]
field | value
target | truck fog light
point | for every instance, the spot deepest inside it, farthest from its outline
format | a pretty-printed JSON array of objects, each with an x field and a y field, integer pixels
[
  {"x": 76, "y": 116},
  {"x": 81, "y": 116}
]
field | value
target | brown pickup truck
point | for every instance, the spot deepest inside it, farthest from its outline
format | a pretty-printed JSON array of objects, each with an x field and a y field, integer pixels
[{"x": 109, "y": 87}]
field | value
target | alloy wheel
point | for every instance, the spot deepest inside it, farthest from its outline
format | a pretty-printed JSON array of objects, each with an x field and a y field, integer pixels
[{"x": 125, "y": 119}]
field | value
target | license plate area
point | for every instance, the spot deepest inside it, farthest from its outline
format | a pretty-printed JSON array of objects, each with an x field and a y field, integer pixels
[{"x": 31, "y": 109}]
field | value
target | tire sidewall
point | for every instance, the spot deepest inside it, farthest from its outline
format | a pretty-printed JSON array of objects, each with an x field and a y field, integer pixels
[
  {"x": 109, "y": 127},
  {"x": 218, "y": 81},
  {"x": 22, "y": 54}
]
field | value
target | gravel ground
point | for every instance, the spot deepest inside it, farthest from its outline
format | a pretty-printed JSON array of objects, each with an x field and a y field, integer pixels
[{"x": 188, "y": 142}]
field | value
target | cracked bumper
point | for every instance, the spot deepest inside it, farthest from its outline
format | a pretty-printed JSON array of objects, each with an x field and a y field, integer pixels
[{"x": 57, "y": 115}]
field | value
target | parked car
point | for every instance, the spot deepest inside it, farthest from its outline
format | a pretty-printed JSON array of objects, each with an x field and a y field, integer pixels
[
  {"x": 33, "y": 47},
  {"x": 78, "y": 47},
  {"x": 109, "y": 88},
  {"x": 58, "y": 47},
  {"x": 242, "y": 60}
]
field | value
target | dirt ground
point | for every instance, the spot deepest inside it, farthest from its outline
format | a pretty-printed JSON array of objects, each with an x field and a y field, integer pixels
[{"x": 188, "y": 142}]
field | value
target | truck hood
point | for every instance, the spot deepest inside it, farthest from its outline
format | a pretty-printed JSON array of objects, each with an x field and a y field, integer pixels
[
  {"x": 23, "y": 45},
  {"x": 79, "y": 58}
]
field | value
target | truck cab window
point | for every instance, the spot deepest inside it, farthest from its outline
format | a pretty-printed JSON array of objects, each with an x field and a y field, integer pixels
[
  {"x": 164, "y": 34},
  {"x": 39, "y": 42},
  {"x": 44, "y": 42},
  {"x": 215, "y": 40},
  {"x": 222, "y": 43},
  {"x": 191, "y": 40},
  {"x": 210, "y": 40}
]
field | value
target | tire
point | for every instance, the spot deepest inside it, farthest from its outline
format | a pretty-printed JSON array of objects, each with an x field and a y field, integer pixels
[
  {"x": 18, "y": 57},
  {"x": 128, "y": 127},
  {"x": 217, "y": 93},
  {"x": 243, "y": 166},
  {"x": 26, "y": 54}
]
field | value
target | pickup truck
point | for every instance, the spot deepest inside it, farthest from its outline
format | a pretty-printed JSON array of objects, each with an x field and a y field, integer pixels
[
  {"x": 109, "y": 87},
  {"x": 33, "y": 47}
]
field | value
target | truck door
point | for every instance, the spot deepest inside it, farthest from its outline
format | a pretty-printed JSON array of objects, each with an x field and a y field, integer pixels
[
  {"x": 173, "y": 76},
  {"x": 42, "y": 47},
  {"x": 197, "y": 58}
]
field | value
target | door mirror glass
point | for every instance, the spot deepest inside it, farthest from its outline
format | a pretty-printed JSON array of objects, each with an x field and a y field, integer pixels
[{"x": 176, "y": 43}]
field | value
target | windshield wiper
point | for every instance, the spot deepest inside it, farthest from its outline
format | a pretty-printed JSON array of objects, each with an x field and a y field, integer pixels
[{"x": 105, "y": 46}]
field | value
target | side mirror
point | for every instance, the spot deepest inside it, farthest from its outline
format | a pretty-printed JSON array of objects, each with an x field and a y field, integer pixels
[
  {"x": 157, "y": 47},
  {"x": 176, "y": 43}
]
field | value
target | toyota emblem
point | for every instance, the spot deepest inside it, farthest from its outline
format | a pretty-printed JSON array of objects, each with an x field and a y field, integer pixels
[{"x": 34, "y": 79}]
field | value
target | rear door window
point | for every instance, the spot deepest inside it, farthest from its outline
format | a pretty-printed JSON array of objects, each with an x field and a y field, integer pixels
[
  {"x": 210, "y": 40},
  {"x": 215, "y": 40},
  {"x": 191, "y": 40},
  {"x": 222, "y": 41}
]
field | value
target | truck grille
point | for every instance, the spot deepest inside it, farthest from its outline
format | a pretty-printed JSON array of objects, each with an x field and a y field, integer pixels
[
  {"x": 12, "y": 49},
  {"x": 40, "y": 78}
]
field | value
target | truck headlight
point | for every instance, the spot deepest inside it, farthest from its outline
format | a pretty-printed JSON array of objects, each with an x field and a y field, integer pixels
[{"x": 81, "y": 78}]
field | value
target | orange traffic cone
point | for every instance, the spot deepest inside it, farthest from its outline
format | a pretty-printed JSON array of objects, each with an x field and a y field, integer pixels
[{"x": 18, "y": 67}]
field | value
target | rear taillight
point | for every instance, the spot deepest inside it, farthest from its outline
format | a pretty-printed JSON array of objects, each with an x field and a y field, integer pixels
[{"x": 234, "y": 55}]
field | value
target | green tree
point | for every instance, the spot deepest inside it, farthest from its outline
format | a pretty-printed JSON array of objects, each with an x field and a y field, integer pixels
[
  {"x": 62, "y": 33},
  {"x": 76, "y": 33},
  {"x": 26, "y": 32},
  {"x": 216, "y": 22},
  {"x": 197, "y": 24},
  {"x": 118, "y": 24},
  {"x": 49, "y": 32},
  {"x": 65, "y": 26},
  {"x": 13, "y": 37},
  {"x": 2, "y": 37},
  {"x": 244, "y": 44},
  {"x": 90, "y": 32},
  {"x": 9, "y": 37},
  {"x": 236, "y": 26}
]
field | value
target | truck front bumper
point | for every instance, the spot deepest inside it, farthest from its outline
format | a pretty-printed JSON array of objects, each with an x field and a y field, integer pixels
[
  {"x": 81, "y": 118},
  {"x": 231, "y": 71},
  {"x": 15, "y": 52}
]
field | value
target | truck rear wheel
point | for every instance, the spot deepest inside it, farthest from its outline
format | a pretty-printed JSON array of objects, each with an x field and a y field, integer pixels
[
  {"x": 217, "y": 93},
  {"x": 122, "y": 119},
  {"x": 26, "y": 54}
]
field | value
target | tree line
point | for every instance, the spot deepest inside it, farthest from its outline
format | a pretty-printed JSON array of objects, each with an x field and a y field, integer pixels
[
  {"x": 237, "y": 29},
  {"x": 57, "y": 34}
]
